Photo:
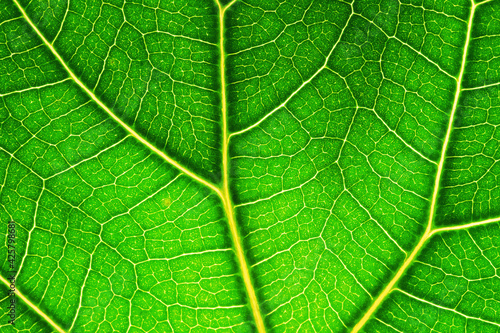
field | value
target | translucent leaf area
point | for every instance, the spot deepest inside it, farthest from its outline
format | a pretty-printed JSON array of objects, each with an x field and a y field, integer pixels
[{"x": 250, "y": 165}]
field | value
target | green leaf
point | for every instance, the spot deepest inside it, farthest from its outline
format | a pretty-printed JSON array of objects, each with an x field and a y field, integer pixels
[{"x": 250, "y": 165}]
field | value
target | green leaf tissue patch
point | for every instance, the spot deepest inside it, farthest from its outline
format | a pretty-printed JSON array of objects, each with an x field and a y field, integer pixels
[{"x": 249, "y": 166}]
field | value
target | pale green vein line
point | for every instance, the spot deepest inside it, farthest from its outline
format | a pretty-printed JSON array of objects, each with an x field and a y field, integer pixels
[
  {"x": 408, "y": 46},
  {"x": 482, "y": 87},
  {"x": 182, "y": 37},
  {"x": 276, "y": 194},
  {"x": 167, "y": 305},
  {"x": 384, "y": 323},
  {"x": 10, "y": 20},
  {"x": 22, "y": 163},
  {"x": 33, "y": 306},
  {"x": 2, "y": 185},
  {"x": 76, "y": 165},
  {"x": 80, "y": 298},
  {"x": 62, "y": 23},
  {"x": 478, "y": 248},
  {"x": 391, "y": 285},
  {"x": 466, "y": 226},
  {"x": 186, "y": 254},
  {"x": 325, "y": 63},
  {"x": 428, "y": 10},
  {"x": 34, "y": 88},
  {"x": 444, "y": 308},
  {"x": 367, "y": 210},
  {"x": 351, "y": 274},
  {"x": 105, "y": 60},
  {"x": 438, "y": 268},
  {"x": 28, "y": 242},
  {"x": 112, "y": 115},
  {"x": 273, "y": 41},
  {"x": 385, "y": 124},
  {"x": 401, "y": 139}
]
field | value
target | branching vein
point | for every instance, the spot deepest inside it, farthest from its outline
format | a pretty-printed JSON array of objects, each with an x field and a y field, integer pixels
[
  {"x": 428, "y": 232},
  {"x": 111, "y": 114}
]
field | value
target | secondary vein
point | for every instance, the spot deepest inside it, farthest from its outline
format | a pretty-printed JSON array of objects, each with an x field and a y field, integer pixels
[
  {"x": 306, "y": 82},
  {"x": 428, "y": 231},
  {"x": 111, "y": 114},
  {"x": 119, "y": 121}
]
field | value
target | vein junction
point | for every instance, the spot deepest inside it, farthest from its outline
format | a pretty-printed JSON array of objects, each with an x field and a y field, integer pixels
[
  {"x": 222, "y": 192},
  {"x": 240, "y": 254},
  {"x": 430, "y": 229},
  {"x": 297, "y": 188}
]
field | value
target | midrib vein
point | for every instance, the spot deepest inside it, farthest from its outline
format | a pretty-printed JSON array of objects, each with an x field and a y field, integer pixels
[
  {"x": 429, "y": 230},
  {"x": 111, "y": 114},
  {"x": 223, "y": 194},
  {"x": 228, "y": 206}
]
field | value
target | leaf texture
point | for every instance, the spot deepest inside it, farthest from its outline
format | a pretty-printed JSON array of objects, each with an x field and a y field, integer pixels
[{"x": 251, "y": 166}]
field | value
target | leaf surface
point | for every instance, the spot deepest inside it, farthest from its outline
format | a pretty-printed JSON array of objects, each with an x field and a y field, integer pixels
[{"x": 251, "y": 166}]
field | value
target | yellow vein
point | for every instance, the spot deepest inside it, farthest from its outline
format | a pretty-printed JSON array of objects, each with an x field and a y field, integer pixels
[
  {"x": 428, "y": 232},
  {"x": 483, "y": 87},
  {"x": 33, "y": 306},
  {"x": 390, "y": 286},
  {"x": 482, "y": 3},
  {"x": 466, "y": 226},
  {"x": 450, "y": 123},
  {"x": 228, "y": 206},
  {"x": 34, "y": 88},
  {"x": 111, "y": 114}
]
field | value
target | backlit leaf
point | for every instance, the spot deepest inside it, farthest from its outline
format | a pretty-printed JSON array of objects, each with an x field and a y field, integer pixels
[{"x": 250, "y": 165}]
